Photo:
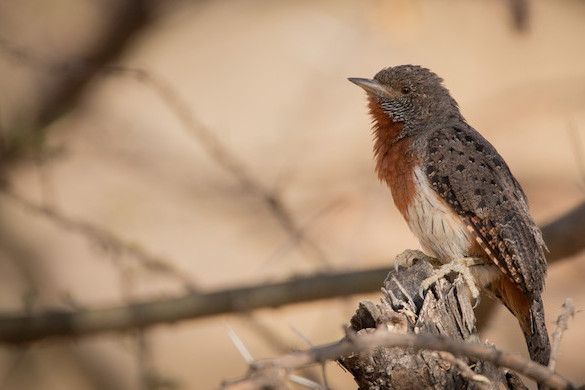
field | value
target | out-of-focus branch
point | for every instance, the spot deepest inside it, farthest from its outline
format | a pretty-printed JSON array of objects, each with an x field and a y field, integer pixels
[
  {"x": 565, "y": 236},
  {"x": 115, "y": 245},
  {"x": 442, "y": 320},
  {"x": 15, "y": 328},
  {"x": 126, "y": 19},
  {"x": 104, "y": 239},
  {"x": 211, "y": 144},
  {"x": 18, "y": 328},
  {"x": 520, "y": 14},
  {"x": 226, "y": 159}
]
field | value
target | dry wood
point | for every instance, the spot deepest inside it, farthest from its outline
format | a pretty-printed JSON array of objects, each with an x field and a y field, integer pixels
[
  {"x": 21, "y": 327},
  {"x": 389, "y": 345},
  {"x": 563, "y": 236}
]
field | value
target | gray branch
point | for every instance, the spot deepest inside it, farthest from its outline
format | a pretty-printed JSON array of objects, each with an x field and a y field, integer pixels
[
  {"x": 407, "y": 341},
  {"x": 565, "y": 236},
  {"x": 19, "y": 327},
  {"x": 446, "y": 311}
]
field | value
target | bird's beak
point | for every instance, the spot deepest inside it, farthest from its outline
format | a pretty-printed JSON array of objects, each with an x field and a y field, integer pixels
[{"x": 370, "y": 86}]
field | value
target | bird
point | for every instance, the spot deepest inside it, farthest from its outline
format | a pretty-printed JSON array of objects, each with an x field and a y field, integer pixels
[{"x": 457, "y": 194}]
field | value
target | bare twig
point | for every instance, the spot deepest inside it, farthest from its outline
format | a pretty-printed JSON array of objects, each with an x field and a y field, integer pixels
[
  {"x": 18, "y": 328},
  {"x": 271, "y": 337},
  {"x": 124, "y": 22},
  {"x": 211, "y": 144},
  {"x": 567, "y": 313},
  {"x": 385, "y": 338},
  {"x": 294, "y": 240},
  {"x": 103, "y": 238},
  {"x": 15, "y": 327},
  {"x": 149, "y": 376},
  {"x": 240, "y": 346},
  {"x": 245, "y": 353},
  {"x": 520, "y": 14},
  {"x": 310, "y": 344},
  {"x": 263, "y": 330},
  {"x": 226, "y": 159}
]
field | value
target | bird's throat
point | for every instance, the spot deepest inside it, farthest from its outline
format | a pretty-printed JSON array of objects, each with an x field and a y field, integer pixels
[{"x": 389, "y": 144}]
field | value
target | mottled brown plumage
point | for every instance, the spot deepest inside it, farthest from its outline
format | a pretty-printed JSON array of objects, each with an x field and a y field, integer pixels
[
  {"x": 456, "y": 192},
  {"x": 468, "y": 172}
]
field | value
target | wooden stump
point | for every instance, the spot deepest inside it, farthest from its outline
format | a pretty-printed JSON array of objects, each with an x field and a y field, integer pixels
[{"x": 446, "y": 310}]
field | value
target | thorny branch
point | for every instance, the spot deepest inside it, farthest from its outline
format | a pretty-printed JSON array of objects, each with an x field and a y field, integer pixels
[
  {"x": 385, "y": 338},
  {"x": 271, "y": 337},
  {"x": 440, "y": 320}
]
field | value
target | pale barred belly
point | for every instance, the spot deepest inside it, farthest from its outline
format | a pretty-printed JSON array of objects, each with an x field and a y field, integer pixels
[{"x": 440, "y": 230}]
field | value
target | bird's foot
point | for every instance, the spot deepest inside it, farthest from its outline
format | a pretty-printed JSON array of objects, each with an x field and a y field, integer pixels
[
  {"x": 408, "y": 257},
  {"x": 459, "y": 266}
]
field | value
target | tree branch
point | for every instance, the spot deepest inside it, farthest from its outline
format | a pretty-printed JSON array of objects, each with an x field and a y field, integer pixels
[
  {"x": 19, "y": 328},
  {"x": 103, "y": 239},
  {"x": 417, "y": 342},
  {"x": 75, "y": 77},
  {"x": 565, "y": 235},
  {"x": 125, "y": 21},
  {"x": 442, "y": 321}
]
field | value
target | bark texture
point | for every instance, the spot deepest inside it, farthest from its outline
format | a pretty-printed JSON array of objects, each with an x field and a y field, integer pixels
[{"x": 447, "y": 311}]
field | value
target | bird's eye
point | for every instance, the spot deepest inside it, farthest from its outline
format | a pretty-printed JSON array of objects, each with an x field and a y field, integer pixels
[{"x": 405, "y": 90}]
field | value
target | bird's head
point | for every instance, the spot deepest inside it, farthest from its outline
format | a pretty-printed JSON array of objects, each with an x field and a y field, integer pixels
[{"x": 409, "y": 94}]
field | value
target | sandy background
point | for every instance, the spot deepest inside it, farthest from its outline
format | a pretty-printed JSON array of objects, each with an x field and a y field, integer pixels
[{"x": 269, "y": 78}]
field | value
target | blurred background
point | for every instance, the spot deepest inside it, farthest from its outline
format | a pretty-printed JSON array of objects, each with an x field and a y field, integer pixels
[{"x": 144, "y": 145}]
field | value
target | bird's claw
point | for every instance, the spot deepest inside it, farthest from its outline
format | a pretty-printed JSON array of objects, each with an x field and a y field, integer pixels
[{"x": 460, "y": 266}]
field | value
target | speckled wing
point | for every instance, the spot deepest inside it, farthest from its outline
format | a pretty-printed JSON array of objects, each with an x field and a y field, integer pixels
[{"x": 470, "y": 175}]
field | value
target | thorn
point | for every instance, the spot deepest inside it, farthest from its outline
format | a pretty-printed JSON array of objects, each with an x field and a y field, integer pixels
[
  {"x": 301, "y": 336},
  {"x": 240, "y": 346}
]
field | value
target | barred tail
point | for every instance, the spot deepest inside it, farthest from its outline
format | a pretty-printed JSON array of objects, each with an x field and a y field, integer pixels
[
  {"x": 530, "y": 315},
  {"x": 537, "y": 336}
]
